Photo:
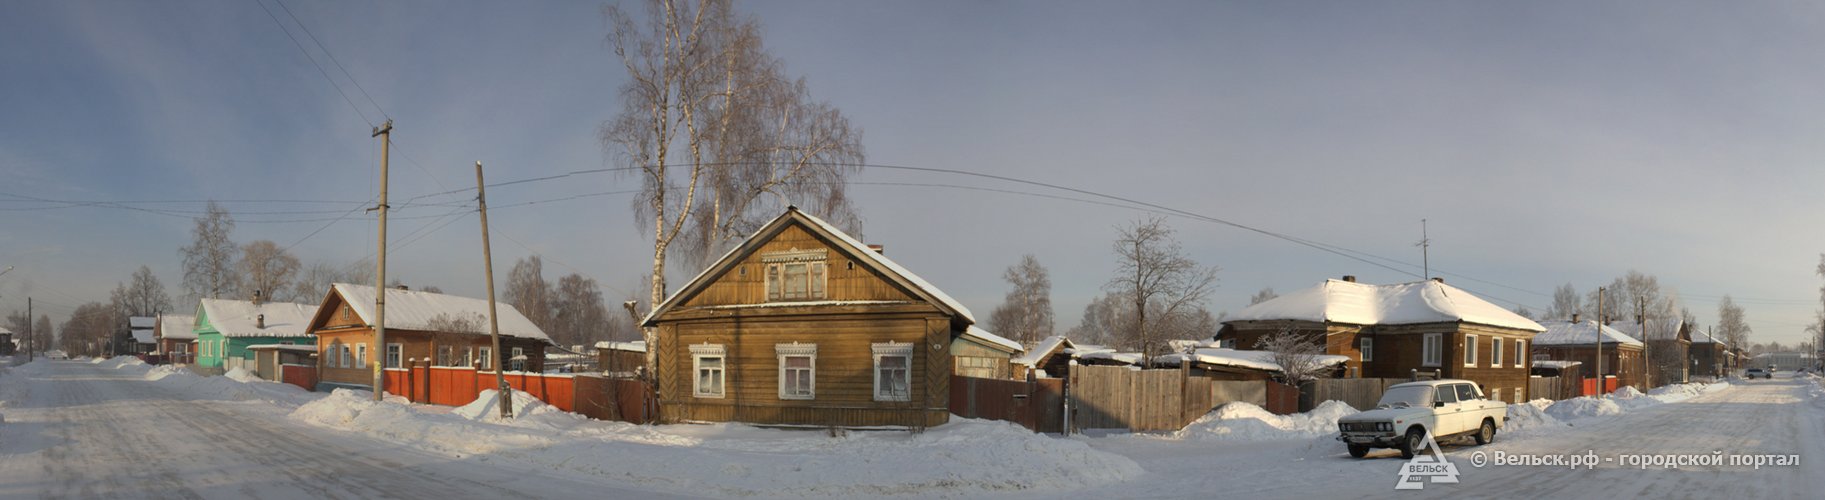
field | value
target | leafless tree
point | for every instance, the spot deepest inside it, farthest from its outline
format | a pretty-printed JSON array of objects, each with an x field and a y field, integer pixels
[
  {"x": 1565, "y": 303},
  {"x": 313, "y": 283},
  {"x": 89, "y": 329},
  {"x": 1523, "y": 311},
  {"x": 1102, "y": 320},
  {"x": 1731, "y": 323},
  {"x": 268, "y": 269},
  {"x": 1158, "y": 284},
  {"x": 528, "y": 291},
  {"x": 581, "y": 315},
  {"x": 209, "y": 261},
  {"x": 458, "y": 323},
  {"x": 43, "y": 336},
  {"x": 1297, "y": 353},
  {"x": 1025, "y": 315},
  {"x": 1266, "y": 294},
  {"x": 143, "y": 296}
]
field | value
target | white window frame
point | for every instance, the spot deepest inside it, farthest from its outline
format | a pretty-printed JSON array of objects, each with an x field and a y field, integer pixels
[
  {"x": 1432, "y": 349},
  {"x": 518, "y": 365},
  {"x": 1520, "y": 348},
  {"x": 485, "y": 355},
  {"x": 890, "y": 350},
  {"x": 1365, "y": 347},
  {"x": 817, "y": 274},
  {"x": 348, "y": 358},
  {"x": 796, "y": 350},
  {"x": 395, "y": 355},
  {"x": 701, "y": 352},
  {"x": 1495, "y": 352},
  {"x": 1469, "y": 351},
  {"x": 468, "y": 357},
  {"x": 361, "y": 355}
]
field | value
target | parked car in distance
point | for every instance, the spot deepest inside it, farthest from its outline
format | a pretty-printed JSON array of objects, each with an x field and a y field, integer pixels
[
  {"x": 1752, "y": 373},
  {"x": 1446, "y": 408}
]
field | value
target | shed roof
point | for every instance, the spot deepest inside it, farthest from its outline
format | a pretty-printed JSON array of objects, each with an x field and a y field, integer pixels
[
  {"x": 1429, "y": 301},
  {"x": 241, "y": 318},
  {"x": 286, "y": 347},
  {"x": 418, "y": 310},
  {"x": 1658, "y": 329},
  {"x": 992, "y": 339},
  {"x": 176, "y": 327},
  {"x": 141, "y": 321},
  {"x": 1559, "y": 364},
  {"x": 1043, "y": 349},
  {"x": 1582, "y": 332},
  {"x": 844, "y": 243},
  {"x": 635, "y": 346},
  {"x": 1254, "y": 360},
  {"x": 144, "y": 336}
]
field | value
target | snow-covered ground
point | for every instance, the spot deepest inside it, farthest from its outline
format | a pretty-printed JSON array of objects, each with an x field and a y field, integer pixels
[{"x": 118, "y": 428}]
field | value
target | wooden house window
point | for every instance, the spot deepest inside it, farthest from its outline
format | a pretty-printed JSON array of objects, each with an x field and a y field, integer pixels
[
  {"x": 1367, "y": 349},
  {"x": 361, "y": 355},
  {"x": 1520, "y": 353},
  {"x": 796, "y": 275},
  {"x": 518, "y": 361},
  {"x": 394, "y": 355},
  {"x": 893, "y": 371},
  {"x": 707, "y": 362},
  {"x": 334, "y": 359},
  {"x": 1495, "y": 353},
  {"x": 348, "y": 361},
  {"x": 345, "y": 313},
  {"x": 486, "y": 357},
  {"x": 1469, "y": 350},
  {"x": 446, "y": 355},
  {"x": 1431, "y": 349},
  {"x": 797, "y": 370},
  {"x": 468, "y": 358}
]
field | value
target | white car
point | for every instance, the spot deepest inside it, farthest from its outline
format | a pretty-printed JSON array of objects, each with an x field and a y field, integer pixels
[{"x": 1407, "y": 412}]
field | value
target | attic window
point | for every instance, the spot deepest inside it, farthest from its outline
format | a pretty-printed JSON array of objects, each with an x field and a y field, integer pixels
[{"x": 796, "y": 275}]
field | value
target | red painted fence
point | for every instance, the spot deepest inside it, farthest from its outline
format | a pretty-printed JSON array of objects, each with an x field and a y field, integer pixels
[
  {"x": 299, "y": 375},
  {"x": 457, "y": 386}
]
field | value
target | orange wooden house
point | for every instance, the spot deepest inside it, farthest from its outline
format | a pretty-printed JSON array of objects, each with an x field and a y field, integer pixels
[
  {"x": 804, "y": 325},
  {"x": 446, "y": 332}
]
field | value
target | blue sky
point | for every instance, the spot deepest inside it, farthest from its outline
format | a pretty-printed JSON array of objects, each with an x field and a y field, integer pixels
[{"x": 1547, "y": 143}]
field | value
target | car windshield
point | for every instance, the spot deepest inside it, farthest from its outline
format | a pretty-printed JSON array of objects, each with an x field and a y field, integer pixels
[{"x": 1406, "y": 397}]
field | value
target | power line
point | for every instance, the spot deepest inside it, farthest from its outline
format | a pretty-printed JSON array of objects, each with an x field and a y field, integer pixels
[
  {"x": 331, "y": 56},
  {"x": 313, "y": 60}
]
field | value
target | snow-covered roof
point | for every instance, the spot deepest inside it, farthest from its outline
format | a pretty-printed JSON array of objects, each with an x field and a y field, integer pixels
[
  {"x": 176, "y": 327},
  {"x": 416, "y": 310},
  {"x": 1255, "y": 360},
  {"x": 1659, "y": 329},
  {"x": 1130, "y": 358},
  {"x": 635, "y": 346},
  {"x": 1556, "y": 363},
  {"x": 286, "y": 347},
  {"x": 1339, "y": 301},
  {"x": 990, "y": 338},
  {"x": 241, "y": 318},
  {"x": 1580, "y": 333},
  {"x": 144, "y": 336},
  {"x": 3, "y": 330},
  {"x": 855, "y": 248},
  {"x": 1041, "y": 349},
  {"x": 1699, "y": 337},
  {"x": 141, "y": 321}
]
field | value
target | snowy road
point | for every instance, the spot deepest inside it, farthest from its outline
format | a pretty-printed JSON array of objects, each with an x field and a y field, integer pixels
[
  {"x": 78, "y": 430},
  {"x": 1762, "y": 417}
]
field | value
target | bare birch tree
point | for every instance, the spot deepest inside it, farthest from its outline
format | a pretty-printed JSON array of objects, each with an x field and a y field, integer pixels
[
  {"x": 1565, "y": 303},
  {"x": 43, "y": 336},
  {"x": 581, "y": 315},
  {"x": 1102, "y": 321},
  {"x": 143, "y": 295},
  {"x": 1731, "y": 323},
  {"x": 1266, "y": 294},
  {"x": 209, "y": 261},
  {"x": 1025, "y": 315},
  {"x": 1158, "y": 284},
  {"x": 1297, "y": 353},
  {"x": 528, "y": 291},
  {"x": 268, "y": 269},
  {"x": 313, "y": 283}
]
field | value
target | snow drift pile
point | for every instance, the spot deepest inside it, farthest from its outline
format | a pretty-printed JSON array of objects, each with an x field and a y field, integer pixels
[
  {"x": 1240, "y": 421},
  {"x": 1530, "y": 416},
  {"x": 1627, "y": 399}
]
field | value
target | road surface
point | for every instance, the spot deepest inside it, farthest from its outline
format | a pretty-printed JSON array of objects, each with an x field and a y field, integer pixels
[{"x": 80, "y": 430}]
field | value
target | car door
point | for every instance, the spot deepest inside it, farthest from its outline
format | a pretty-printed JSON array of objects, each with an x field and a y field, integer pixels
[
  {"x": 1445, "y": 410},
  {"x": 1472, "y": 407}
]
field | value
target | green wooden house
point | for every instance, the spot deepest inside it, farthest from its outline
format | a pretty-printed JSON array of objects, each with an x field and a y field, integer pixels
[{"x": 225, "y": 329}]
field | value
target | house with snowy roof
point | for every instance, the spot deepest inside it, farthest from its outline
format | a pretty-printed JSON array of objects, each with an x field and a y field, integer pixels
[
  {"x": 1577, "y": 341},
  {"x": 444, "y": 331},
  {"x": 176, "y": 336},
  {"x": 1710, "y": 356},
  {"x": 7, "y": 344},
  {"x": 802, "y": 324},
  {"x": 1047, "y": 359},
  {"x": 225, "y": 328},
  {"x": 1667, "y": 347},
  {"x": 1399, "y": 330},
  {"x": 140, "y": 330}
]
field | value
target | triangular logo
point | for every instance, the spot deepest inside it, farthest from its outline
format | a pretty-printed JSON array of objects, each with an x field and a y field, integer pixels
[{"x": 1428, "y": 462}]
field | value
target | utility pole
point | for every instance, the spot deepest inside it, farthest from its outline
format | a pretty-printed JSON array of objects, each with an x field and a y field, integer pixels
[
  {"x": 1600, "y": 324},
  {"x": 1425, "y": 247},
  {"x": 385, "y": 133},
  {"x": 494, "y": 322},
  {"x": 1647, "y": 347},
  {"x": 29, "y": 344}
]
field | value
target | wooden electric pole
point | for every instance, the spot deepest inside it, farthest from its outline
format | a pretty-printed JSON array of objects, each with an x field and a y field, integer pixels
[
  {"x": 29, "y": 344},
  {"x": 494, "y": 322},
  {"x": 1600, "y": 325},
  {"x": 385, "y": 133}
]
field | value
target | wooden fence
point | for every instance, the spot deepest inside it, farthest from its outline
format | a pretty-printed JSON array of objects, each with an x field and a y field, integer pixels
[
  {"x": 1119, "y": 397},
  {"x": 622, "y": 399},
  {"x": 1359, "y": 393},
  {"x": 299, "y": 375},
  {"x": 1037, "y": 404}
]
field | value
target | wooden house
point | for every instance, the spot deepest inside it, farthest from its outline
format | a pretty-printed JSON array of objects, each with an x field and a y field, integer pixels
[
  {"x": 1577, "y": 341},
  {"x": 801, "y": 324},
  {"x": 176, "y": 336},
  {"x": 140, "y": 329},
  {"x": 225, "y": 328},
  {"x": 7, "y": 346},
  {"x": 978, "y": 353},
  {"x": 445, "y": 330},
  {"x": 1710, "y": 356},
  {"x": 1047, "y": 359},
  {"x": 1666, "y": 349},
  {"x": 1210, "y": 361},
  {"x": 270, "y": 359},
  {"x": 1396, "y": 331},
  {"x": 624, "y": 359}
]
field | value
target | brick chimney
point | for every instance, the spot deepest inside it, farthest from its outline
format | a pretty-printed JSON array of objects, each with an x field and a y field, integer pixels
[
  {"x": 259, "y": 322},
  {"x": 880, "y": 249},
  {"x": 1349, "y": 278},
  {"x": 257, "y": 299}
]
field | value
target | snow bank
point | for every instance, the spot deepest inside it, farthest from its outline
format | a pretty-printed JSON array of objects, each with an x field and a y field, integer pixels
[
  {"x": 1240, "y": 421},
  {"x": 242, "y": 375},
  {"x": 962, "y": 458},
  {"x": 1530, "y": 417},
  {"x": 1583, "y": 407},
  {"x": 1628, "y": 399}
]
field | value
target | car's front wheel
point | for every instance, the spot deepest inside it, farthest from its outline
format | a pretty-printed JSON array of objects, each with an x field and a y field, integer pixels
[
  {"x": 1486, "y": 434},
  {"x": 1359, "y": 450},
  {"x": 1411, "y": 445}
]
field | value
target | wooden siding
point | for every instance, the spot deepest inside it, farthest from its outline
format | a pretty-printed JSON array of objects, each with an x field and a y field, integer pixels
[
  {"x": 746, "y": 282},
  {"x": 1626, "y": 362},
  {"x": 415, "y": 345},
  {"x": 973, "y": 359}
]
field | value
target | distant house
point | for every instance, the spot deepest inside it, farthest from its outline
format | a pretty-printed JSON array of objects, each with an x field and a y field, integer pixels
[
  {"x": 1399, "y": 330},
  {"x": 1710, "y": 356},
  {"x": 978, "y": 353},
  {"x": 270, "y": 359},
  {"x": 7, "y": 346},
  {"x": 1783, "y": 361},
  {"x": 1231, "y": 364},
  {"x": 225, "y": 328},
  {"x": 621, "y": 358},
  {"x": 140, "y": 329},
  {"x": 801, "y": 324},
  {"x": 1667, "y": 349},
  {"x": 445, "y": 330},
  {"x": 1576, "y": 341},
  {"x": 176, "y": 335},
  {"x": 1047, "y": 359}
]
